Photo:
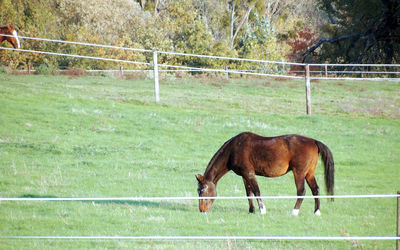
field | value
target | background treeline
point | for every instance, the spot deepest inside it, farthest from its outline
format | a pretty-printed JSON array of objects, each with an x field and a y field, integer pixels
[{"x": 277, "y": 30}]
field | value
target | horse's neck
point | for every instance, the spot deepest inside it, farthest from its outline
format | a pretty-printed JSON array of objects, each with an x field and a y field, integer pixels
[
  {"x": 218, "y": 164},
  {"x": 215, "y": 173}
]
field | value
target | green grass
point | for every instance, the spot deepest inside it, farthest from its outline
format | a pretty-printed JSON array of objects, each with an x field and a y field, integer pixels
[{"x": 99, "y": 136}]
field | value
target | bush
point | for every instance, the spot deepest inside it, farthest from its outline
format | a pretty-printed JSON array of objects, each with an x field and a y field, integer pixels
[
  {"x": 46, "y": 69},
  {"x": 4, "y": 70}
]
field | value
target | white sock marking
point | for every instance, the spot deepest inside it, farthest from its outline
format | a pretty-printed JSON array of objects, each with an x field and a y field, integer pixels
[
  {"x": 317, "y": 213},
  {"x": 295, "y": 212},
  {"x": 16, "y": 38},
  {"x": 263, "y": 210}
]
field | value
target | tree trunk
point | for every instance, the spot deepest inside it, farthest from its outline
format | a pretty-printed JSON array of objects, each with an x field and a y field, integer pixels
[
  {"x": 142, "y": 3},
  {"x": 232, "y": 23},
  {"x": 155, "y": 7},
  {"x": 243, "y": 21}
]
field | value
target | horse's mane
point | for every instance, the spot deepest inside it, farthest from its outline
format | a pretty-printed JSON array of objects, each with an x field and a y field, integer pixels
[{"x": 217, "y": 155}]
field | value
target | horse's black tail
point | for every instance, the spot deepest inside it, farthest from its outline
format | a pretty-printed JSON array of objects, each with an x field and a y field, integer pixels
[{"x": 327, "y": 158}]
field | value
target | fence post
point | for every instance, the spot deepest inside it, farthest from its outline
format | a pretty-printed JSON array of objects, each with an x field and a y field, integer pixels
[
  {"x": 326, "y": 70},
  {"x": 398, "y": 221},
  {"x": 156, "y": 84},
  {"x": 226, "y": 72},
  {"x": 308, "y": 89},
  {"x": 121, "y": 71}
]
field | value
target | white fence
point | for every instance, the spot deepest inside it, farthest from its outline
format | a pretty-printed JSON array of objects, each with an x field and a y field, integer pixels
[
  {"x": 307, "y": 74},
  {"x": 174, "y": 238},
  {"x": 198, "y": 198},
  {"x": 328, "y": 74}
]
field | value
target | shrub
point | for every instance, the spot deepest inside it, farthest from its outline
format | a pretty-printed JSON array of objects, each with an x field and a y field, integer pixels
[
  {"x": 4, "y": 69},
  {"x": 46, "y": 69}
]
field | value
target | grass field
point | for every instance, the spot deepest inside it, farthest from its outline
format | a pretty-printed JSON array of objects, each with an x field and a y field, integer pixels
[{"x": 103, "y": 136}]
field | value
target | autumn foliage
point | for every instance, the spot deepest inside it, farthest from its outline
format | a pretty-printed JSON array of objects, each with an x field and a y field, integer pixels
[{"x": 302, "y": 40}]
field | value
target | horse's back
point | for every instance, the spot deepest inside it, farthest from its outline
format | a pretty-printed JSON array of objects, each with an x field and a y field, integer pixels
[
  {"x": 290, "y": 143},
  {"x": 271, "y": 156}
]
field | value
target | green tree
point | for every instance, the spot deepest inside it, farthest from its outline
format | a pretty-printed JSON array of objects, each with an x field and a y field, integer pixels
[
  {"x": 252, "y": 28},
  {"x": 240, "y": 11},
  {"x": 259, "y": 41},
  {"x": 359, "y": 32},
  {"x": 31, "y": 18}
]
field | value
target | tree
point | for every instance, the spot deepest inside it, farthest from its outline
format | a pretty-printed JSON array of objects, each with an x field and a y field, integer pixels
[
  {"x": 239, "y": 14},
  {"x": 31, "y": 18},
  {"x": 259, "y": 41},
  {"x": 359, "y": 32},
  {"x": 260, "y": 29}
]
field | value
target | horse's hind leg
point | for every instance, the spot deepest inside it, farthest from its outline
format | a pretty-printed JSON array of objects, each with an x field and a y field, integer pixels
[
  {"x": 299, "y": 180},
  {"x": 312, "y": 183},
  {"x": 249, "y": 193}
]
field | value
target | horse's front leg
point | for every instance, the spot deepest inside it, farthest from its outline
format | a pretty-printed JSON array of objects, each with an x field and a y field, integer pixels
[
  {"x": 251, "y": 180},
  {"x": 249, "y": 193}
]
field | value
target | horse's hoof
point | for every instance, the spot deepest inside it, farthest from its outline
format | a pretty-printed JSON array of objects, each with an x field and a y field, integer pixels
[
  {"x": 317, "y": 213},
  {"x": 295, "y": 212},
  {"x": 263, "y": 210}
]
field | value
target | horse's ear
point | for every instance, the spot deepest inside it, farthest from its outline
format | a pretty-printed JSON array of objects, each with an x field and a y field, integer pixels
[{"x": 199, "y": 178}]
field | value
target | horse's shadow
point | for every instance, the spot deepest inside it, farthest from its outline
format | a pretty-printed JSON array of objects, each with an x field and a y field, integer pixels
[
  {"x": 37, "y": 196},
  {"x": 175, "y": 206}
]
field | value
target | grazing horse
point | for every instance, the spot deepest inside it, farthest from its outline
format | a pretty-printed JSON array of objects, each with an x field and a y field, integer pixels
[
  {"x": 249, "y": 154},
  {"x": 13, "y": 38}
]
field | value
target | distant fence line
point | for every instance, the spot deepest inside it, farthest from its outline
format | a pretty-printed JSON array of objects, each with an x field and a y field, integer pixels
[
  {"x": 306, "y": 74},
  {"x": 205, "y": 56},
  {"x": 192, "y": 69},
  {"x": 76, "y": 56},
  {"x": 222, "y": 57}
]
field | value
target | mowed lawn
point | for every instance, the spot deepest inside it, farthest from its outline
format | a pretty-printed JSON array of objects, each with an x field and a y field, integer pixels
[{"x": 103, "y": 136}]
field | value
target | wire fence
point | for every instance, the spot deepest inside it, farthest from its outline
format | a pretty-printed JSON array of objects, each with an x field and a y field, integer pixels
[
  {"x": 76, "y": 56},
  {"x": 175, "y": 238},
  {"x": 326, "y": 73},
  {"x": 195, "y": 198},
  {"x": 205, "y": 237}
]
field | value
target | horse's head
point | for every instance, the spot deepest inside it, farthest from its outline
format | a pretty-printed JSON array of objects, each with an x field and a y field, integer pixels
[
  {"x": 205, "y": 189},
  {"x": 14, "y": 40}
]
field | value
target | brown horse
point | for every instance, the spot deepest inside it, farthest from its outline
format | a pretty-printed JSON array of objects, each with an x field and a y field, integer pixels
[
  {"x": 13, "y": 38},
  {"x": 248, "y": 155}
]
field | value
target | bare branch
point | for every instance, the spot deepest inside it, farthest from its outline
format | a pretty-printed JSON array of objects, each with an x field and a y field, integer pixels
[{"x": 329, "y": 40}]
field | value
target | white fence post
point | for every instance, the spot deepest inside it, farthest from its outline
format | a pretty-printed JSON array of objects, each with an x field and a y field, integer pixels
[
  {"x": 156, "y": 84},
  {"x": 308, "y": 89}
]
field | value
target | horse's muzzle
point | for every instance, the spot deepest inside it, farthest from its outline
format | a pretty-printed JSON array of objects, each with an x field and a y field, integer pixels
[{"x": 205, "y": 205}]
